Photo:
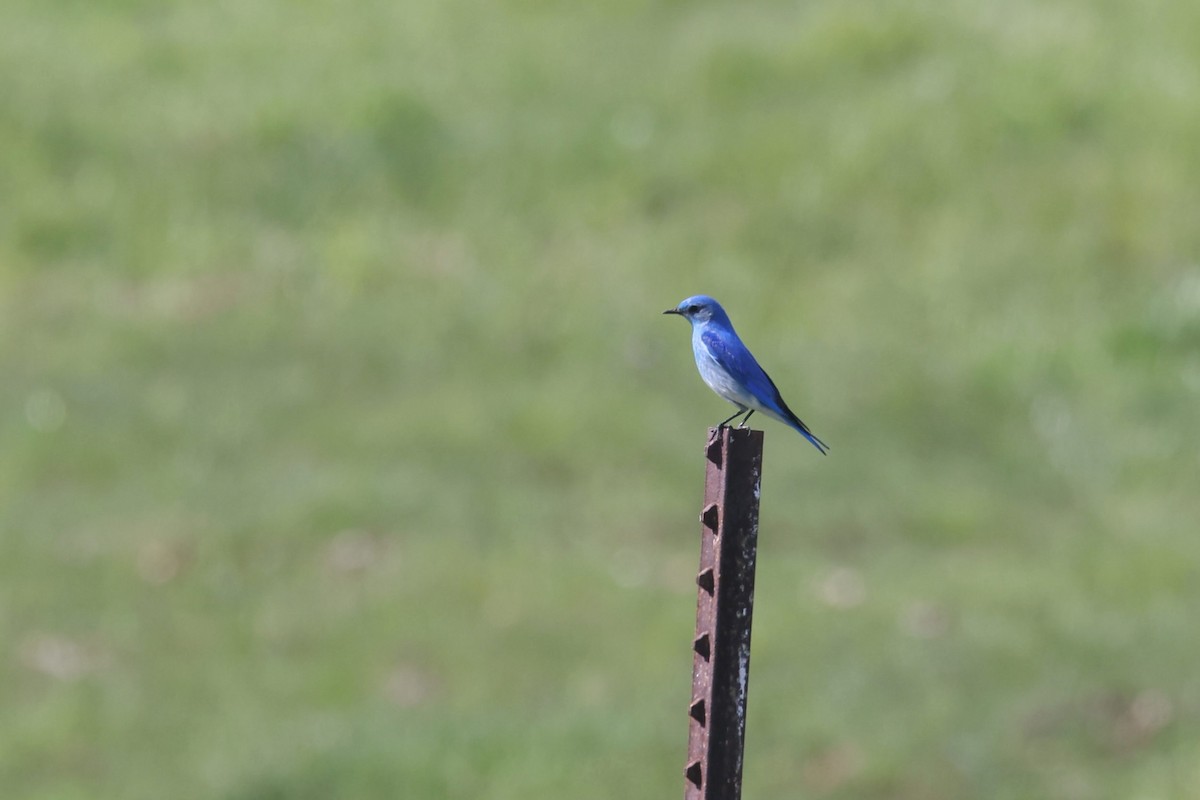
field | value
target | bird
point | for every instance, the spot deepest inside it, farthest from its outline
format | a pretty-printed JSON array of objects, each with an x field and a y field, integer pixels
[{"x": 730, "y": 370}]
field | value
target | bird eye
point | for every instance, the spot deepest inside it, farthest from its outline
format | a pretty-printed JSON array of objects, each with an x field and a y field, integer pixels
[{"x": 693, "y": 309}]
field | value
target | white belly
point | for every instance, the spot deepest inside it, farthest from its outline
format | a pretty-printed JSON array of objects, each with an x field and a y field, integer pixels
[{"x": 720, "y": 381}]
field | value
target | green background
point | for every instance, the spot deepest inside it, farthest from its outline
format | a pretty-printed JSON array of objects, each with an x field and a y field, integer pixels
[{"x": 345, "y": 454}]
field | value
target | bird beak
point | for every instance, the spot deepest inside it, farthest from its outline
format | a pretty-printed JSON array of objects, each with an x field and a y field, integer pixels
[{"x": 673, "y": 311}]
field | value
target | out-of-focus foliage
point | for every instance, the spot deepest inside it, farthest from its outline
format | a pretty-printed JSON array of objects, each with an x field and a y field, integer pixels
[{"x": 344, "y": 452}]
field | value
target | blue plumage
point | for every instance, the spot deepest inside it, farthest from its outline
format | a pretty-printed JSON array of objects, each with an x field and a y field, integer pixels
[{"x": 729, "y": 368}]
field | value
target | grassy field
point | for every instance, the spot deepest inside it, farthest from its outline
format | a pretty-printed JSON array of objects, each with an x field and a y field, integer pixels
[{"x": 345, "y": 453}]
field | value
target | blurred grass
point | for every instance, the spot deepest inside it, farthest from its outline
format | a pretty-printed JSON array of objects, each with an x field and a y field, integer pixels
[{"x": 345, "y": 453}]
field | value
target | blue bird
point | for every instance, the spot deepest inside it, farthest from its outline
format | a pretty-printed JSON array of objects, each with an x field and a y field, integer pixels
[{"x": 729, "y": 368}]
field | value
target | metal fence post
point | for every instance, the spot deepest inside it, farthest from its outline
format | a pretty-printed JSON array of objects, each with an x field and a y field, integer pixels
[{"x": 724, "y": 609}]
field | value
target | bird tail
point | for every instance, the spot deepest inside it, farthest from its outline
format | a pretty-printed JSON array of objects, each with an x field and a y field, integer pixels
[
  {"x": 781, "y": 412},
  {"x": 796, "y": 423},
  {"x": 817, "y": 443}
]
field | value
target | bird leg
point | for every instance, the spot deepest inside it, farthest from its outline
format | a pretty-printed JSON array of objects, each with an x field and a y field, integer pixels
[
  {"x": 746, "y": 418},
  {"x": 726, "y": 421}
]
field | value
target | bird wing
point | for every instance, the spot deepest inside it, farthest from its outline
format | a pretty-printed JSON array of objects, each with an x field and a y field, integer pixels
[
  {"x": 733, "y": 357},
  {"x": 736, "y": 359}
]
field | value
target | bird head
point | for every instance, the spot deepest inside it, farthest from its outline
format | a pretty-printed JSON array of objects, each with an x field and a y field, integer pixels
[{"x": 699, "y": 309}]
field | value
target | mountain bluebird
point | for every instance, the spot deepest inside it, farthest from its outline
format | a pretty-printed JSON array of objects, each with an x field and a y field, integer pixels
[{"x": 730, "y": 370}]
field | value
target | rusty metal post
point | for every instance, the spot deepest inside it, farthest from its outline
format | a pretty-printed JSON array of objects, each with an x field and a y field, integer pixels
[{"x": 724, "y": 608}]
